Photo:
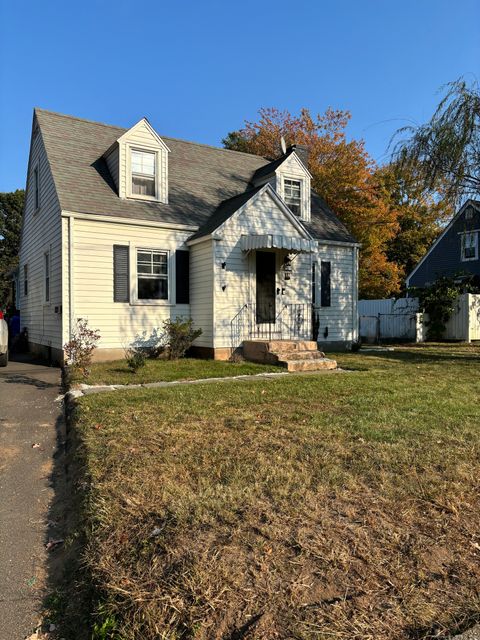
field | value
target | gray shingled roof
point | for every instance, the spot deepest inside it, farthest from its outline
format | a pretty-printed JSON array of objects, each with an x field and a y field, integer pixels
[{"x": 201, "y": 178}]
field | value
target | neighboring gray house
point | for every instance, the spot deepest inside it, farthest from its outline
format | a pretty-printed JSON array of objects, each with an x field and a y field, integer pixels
[
  {"x": 127, "y": 228},
  {"x": 456, "y": 250}
]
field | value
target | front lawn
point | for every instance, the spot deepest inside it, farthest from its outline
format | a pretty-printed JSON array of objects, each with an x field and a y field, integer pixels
[
  {"x": 305, "y": 507},
  {"x": 117, "y": 372}
]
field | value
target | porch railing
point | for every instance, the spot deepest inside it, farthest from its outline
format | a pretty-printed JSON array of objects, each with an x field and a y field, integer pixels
[{"x": 290, "y": 322}]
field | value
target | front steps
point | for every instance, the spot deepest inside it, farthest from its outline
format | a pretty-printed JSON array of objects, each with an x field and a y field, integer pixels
[{"x": 293, "y": 355}]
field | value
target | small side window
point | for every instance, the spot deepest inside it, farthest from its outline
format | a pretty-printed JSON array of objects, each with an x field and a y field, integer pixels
[
  {"x": 46, "y": 263},
  {"x": 25, "y": 279},
  {"x": 325, "y": 284}
]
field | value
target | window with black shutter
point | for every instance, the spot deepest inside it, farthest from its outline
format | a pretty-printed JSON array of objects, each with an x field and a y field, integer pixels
[
  {"x": 182, "y": 277},
  {"x": 325, "y": 284},
  {"x": 121, "y": 277}
]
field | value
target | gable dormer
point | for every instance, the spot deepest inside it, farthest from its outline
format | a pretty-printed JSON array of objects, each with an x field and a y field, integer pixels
[
  {"x": 138, "y": 164},
  {"x": 291, "y": 179}
]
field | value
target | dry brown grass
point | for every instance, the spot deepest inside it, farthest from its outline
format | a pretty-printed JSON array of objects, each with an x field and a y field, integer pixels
[{"x": 310, "y": 507}]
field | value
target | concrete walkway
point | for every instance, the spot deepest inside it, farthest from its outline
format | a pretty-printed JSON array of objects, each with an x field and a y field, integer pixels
[
  {"x": 88, "y": 389},
  {"x": 29, "y": 422}
]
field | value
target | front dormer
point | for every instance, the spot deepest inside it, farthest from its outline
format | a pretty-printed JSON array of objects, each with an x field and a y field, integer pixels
[
  {"x": 291, "y": 179},
  {"x": 138, "y": 163},
  {"x": 293, "y": 184}
]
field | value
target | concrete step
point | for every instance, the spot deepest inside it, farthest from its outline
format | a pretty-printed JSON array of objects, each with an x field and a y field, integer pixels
[
  {"x": 308, "y": 365},
  {"x": 281, "y": 346},
  {"x": 300, "y": 355}
]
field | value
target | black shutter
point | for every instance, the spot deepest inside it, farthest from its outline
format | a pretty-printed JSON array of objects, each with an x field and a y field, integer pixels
[
  {"x": 182, "y": 276},
  {"x": 325, "y": 284},
  {"x": 121, "y": 277}
]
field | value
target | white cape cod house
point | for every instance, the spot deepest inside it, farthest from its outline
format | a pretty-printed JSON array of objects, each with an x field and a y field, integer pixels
[{"x": 127, "y": 228}]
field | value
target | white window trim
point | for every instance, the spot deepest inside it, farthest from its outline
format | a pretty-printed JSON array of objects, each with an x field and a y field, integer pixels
[
  {"x": 462, "y": 237},
  {"x": 134, "y": 300},
  {"x": 303, "y": 205},
  {"x": 145, "y": 149}
]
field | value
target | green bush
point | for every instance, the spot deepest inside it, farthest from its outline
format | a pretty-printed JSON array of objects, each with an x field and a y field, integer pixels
[
  {"x": 135, "y": 358},
  {"x": 179, "y": 336}
]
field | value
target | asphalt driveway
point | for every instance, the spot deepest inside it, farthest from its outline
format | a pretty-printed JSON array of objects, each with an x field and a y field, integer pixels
[{"x": 30, "y": 421}]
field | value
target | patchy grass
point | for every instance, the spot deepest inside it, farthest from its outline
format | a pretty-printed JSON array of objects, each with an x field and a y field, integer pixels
[
  {"x": 307, "y": 507},
  {"x": 117, "y": 372}
]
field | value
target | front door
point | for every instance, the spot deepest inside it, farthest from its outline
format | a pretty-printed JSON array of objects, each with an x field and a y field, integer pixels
[{"x": 265, "y": 264}]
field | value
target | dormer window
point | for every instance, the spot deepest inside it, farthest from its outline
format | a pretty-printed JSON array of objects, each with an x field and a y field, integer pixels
[
  {"x": 293, "y": 195},
  {"x": 143, "y": 173}
]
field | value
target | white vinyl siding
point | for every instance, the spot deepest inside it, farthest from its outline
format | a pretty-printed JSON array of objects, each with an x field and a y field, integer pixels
[
  {"x": 41, "y": 234},
  {"x": 119, "y": 323},
  {"x": 202, "y": 290},
  {"x": 112, "y": 161},
  {"x": 340, "y": 317},
  {"x": 261, "y": 216}
]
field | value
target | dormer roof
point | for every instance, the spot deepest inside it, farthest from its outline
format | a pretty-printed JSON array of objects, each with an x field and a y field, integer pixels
[
  {"x": 270, "y": 169},
  {"x": 143, "y": 122},
  {"x": 201, "y": 178}
]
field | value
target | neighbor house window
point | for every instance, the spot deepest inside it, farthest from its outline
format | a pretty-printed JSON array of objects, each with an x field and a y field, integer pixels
[
  {"x": 25, "y": 279},
  {"x": 470, "y": 246},
  {"x": 36, "y": 188},
  {"x": 293, "y": 195},
  {"x": 152, "y": 274},
  {"x": 143, "y": 173},
  {"x": 46, "y": 264}
]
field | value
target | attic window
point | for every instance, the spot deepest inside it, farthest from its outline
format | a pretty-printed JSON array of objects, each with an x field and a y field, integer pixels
[
  {"x": 143, "y": 173},
  {"x": 293, "y": 195}
]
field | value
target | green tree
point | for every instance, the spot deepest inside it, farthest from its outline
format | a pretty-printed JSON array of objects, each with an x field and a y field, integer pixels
[
  {"x": 419, "y": 213},
  {"x": 11, "y": 210},
  {"x": 446, "y": 149}
]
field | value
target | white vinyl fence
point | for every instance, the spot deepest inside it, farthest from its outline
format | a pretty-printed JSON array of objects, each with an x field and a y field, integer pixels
[{"x": 388, "y": 320}]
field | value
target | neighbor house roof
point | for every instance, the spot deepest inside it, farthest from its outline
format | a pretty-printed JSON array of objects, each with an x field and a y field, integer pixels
[{"x": 204, "y": 182}]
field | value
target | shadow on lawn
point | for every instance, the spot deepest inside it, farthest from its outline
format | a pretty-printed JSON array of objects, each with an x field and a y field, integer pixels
[{"x": 416, "y": 354}]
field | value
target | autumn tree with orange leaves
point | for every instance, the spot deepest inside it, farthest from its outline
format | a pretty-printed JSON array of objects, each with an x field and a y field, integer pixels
[{"x": 344, "y": 175}]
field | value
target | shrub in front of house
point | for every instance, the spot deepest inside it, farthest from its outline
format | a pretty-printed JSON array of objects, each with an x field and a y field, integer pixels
[
  {"x": 179, "y": 336},
  {"x": 135, "y": 358},
  {"x": 79, "y": 349}
]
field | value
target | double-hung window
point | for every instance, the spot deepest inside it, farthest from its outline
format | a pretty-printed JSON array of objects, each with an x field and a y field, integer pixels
[
  {"x": 152, "y": 274},
  {"x": 293, "y": 195},
  {"x": 143, "y": 165},
  {"x": 469, "y": 245}
]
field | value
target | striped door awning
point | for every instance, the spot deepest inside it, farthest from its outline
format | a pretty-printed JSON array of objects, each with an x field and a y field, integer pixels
[{"x": 271, "y": 241}]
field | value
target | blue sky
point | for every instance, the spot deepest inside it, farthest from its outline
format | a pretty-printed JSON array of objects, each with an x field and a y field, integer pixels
[{"x": 198, "y": 69}]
